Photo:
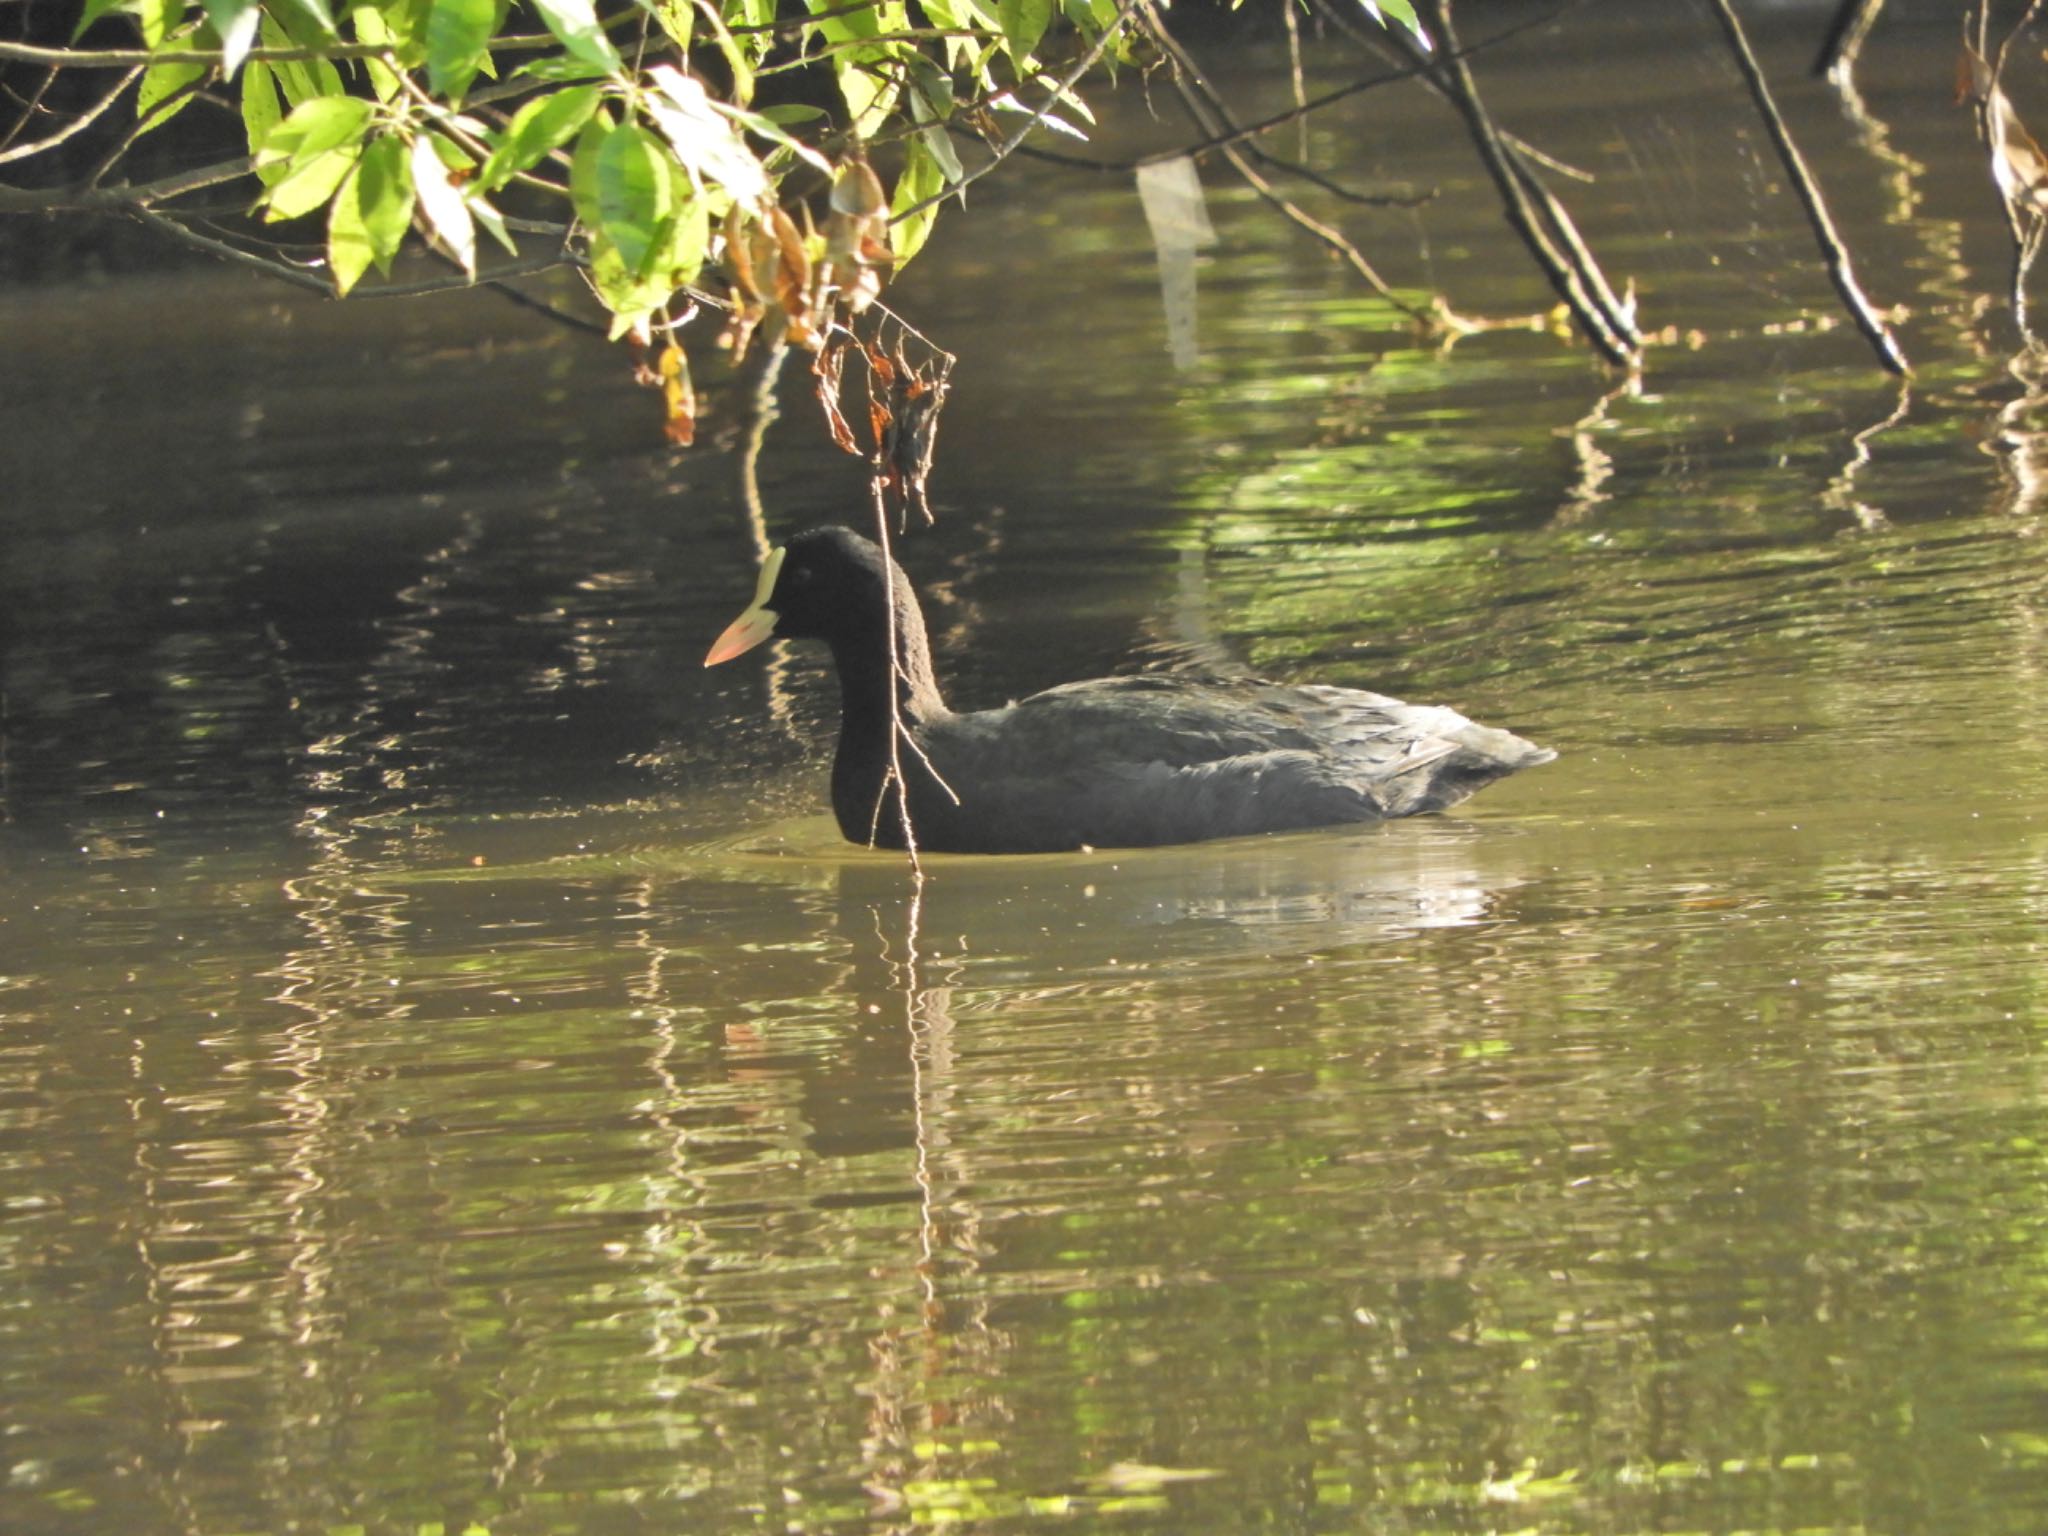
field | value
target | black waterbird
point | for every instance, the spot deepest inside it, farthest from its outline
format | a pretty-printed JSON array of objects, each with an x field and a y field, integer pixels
[{"x": 1115, "y": 762}]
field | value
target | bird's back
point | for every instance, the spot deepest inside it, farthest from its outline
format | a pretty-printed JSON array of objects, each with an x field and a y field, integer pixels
[{"x": 1138, "y": 761}]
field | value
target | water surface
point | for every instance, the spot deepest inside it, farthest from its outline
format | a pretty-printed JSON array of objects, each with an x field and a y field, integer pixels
[{"x": 450, "y": 1070}]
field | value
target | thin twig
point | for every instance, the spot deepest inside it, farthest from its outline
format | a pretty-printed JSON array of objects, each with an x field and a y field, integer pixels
[
  {"x": 1567, "y": 277},
  {"x": 123, "y": 58},
  {"x": 1840, "y": 269},
  {"x": 30, "y": 105},
  {"x": 896, "y": 728},
  {"x": 1207, "y": 112},
  {"x": 76, "y": 126}
]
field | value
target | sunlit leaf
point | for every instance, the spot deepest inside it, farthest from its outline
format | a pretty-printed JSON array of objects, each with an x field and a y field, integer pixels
[
  {"x": 91, "y": 12},
  {"x": 351, "y": 249},
  {"x": 368, "y": 220},
  {"x": 838, "y": 23},
  {"x": 574, "y": 23},
  {"x": 868, "y": 87},
  {"x": 630, "y": 297},
  {"x": 458, "y": 41},
  {"x": 678, "y": 18},
  {"x": 308, "y": 183},
  {"x": 166, "y": 89},
  {"x": 689, "y": 241},
  {"x": 315, "y": 147},
  {"x": 704, "y": 142},
  {"x": 324, "y": 123},
  {"x": 634, "y": 193},
  {"x": 1402, "y": 11},
  {"x": 583, "y": 169},
  {"x": 921, "y": 179},
  {"x": 440, "y": 204},
  {"x": 299, "y": 79},
  {"x": 157, "y": 18},
  {"x": 772, "y": 130},
  {"x": 298, "y": 14},
  {"x": 539, "y": 128},
  {"x": 1024, "y": 23},
  {"x": 234, "y": 23},
  {"x": 374, "y": 28},
  {"x": 261, "y": 113},
  {"x": 492, "y": 223}
]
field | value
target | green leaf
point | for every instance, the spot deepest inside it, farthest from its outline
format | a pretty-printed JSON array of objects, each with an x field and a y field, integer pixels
[
  {"x": 368, "y": 221},
  {"x": 574, "y": 23},
  {"x": 158, "y": 19},
  {"x": 158, "y": 99},
  {"x": 348, "y": 240},
  {"x": 1403, "y": 12},
  {"x": 458, "y": 43},
  {"x": 689, "y": 240},
  {"x": 537, "y": 130},
  {"x": 1024, "y": 23},
  {"x": 93, "y": 11},
  {"x": 375, "y": 28},
  {"x": 839, "y": 25},
  {"x": 322, "y": 124},
  {"x": 772, "y": 130},
  {"x": 492, "y": 223},
  {"x": 261, "y": 113},
  {"x": 635, "y": 192},
  {"x": 870, "y": 95},
  {"x": 583, "y": 169},
  {"x": 921, "y": 179},
  {"x": 235, "y": 23},
  {"x": 309, "y": 183},
  {"x": 678, "y": 18},
  {"x": 304, "y": 13},
  {"x": 312, "y": 152},
  {"x": 931, "y": 90},
  {"x": 939, "y": 144},
  {"x": 300, "y": 79}
]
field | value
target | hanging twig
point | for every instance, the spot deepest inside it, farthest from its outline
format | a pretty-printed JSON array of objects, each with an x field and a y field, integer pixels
[
  {"x": 897, "y": 732},
  {"x": 1209, "y": 114},
  {"x": 1836, "y": 254},
  {"x": 1605, "y": 324}
]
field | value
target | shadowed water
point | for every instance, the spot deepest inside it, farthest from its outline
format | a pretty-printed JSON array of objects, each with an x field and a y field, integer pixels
[{"x": 451, "y": 1072}]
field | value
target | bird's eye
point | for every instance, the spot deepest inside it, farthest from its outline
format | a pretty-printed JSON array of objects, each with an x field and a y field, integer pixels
[{"x": 803, "y": 575}]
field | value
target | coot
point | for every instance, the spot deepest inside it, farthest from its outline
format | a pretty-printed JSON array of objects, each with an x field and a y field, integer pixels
[{"x": 1117, "y": 762}]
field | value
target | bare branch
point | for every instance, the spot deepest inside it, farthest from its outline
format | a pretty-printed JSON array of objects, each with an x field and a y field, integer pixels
[
  {"x": 1834, "y": 252},
  {"x": 77, "y": 125},
  {"x": 1206, "y": 109}
]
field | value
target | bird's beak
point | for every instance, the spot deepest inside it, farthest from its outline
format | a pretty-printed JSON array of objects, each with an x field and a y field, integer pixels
[{"x": 756, "y": 624}]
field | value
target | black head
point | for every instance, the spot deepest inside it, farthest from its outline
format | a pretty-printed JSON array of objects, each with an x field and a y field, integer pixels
[{"x": 827, "y": 584}]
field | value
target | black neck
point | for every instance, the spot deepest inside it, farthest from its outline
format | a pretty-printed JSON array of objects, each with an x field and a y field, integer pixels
[{"x": 861, "y": 765}]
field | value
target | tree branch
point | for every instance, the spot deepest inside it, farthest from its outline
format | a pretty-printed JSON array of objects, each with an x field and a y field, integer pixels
[
  {"x": 77, "y": 125},
  {"x": 1840, "y": 270}
]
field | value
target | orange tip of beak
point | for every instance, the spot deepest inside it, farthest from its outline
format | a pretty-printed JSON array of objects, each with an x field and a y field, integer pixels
[{"x": 741, "y": 636}]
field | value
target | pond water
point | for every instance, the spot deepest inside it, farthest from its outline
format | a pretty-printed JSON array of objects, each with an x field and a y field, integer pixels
[{"x": 451, "y": 1073}]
